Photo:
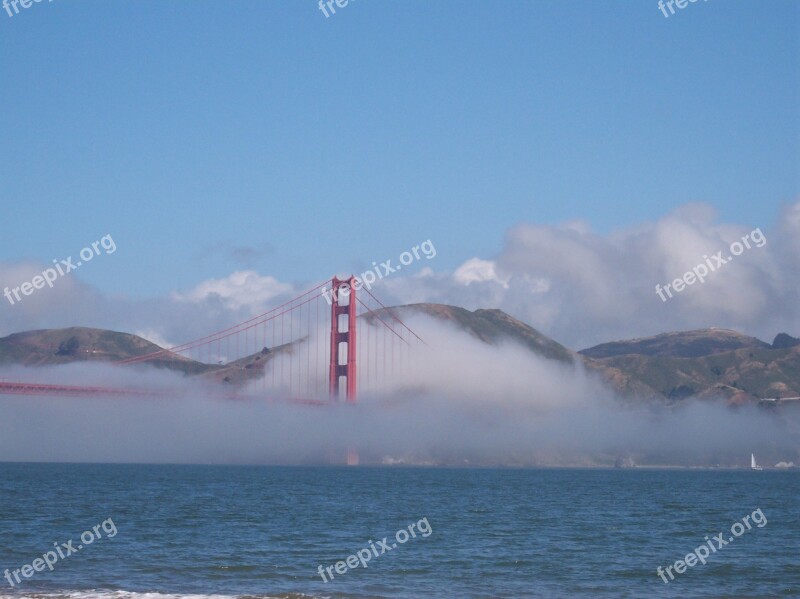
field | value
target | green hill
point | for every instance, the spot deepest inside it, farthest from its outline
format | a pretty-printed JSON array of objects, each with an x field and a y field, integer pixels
[
  {"x": 685, "y": 344},
  {"x": 493, "y": 327},
  {"x": 703, "y": 363},
  {"x": 669, "y": 367},
  {"x": 48, "y": 347}
]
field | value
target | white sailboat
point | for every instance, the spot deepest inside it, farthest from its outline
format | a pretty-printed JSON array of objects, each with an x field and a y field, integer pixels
[{"x": 753, "y": 465}]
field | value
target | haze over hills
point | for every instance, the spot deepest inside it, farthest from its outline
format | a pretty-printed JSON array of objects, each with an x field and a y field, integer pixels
[{"x": 667, "y": 368}]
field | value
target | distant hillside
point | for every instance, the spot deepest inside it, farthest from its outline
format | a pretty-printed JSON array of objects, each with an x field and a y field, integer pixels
[
  {"x": 686, "y": 344},
  {"x": 244, "y": 370},
  {"x": 49, "y": 347},
  {"x": 80, "y": 344},
  {"x": 784, "y": 341},
  {"x": 740, "y": 375},
  {"x": 707, "y": 362},
  {"x": 667, "y": 368},
  {"x": 493, "y": 326}
]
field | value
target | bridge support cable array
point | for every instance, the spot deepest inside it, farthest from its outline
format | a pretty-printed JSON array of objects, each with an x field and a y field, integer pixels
[{"x": 325, "y": 345}]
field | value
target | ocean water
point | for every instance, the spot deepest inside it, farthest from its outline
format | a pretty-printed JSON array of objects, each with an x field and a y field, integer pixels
[{"x": 234, "y": 531}]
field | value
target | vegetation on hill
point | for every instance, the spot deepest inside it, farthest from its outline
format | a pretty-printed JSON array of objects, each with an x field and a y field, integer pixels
[
  {"x": 707, "y": 362},
  {"x": 49, "y": 347},
  {"x": 685, "y": 344}
]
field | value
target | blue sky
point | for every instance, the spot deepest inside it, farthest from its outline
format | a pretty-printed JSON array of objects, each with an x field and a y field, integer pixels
[{"x": 185, "y": 128}]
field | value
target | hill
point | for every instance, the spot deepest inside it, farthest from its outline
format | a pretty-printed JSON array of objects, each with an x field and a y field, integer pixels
[
  {"x": 685, "y": 344},
  {"x": 49, "y": 347},
  {"x": 784, "y": 341},
  {"x": 669, "y": 367},
  {"x": 493, "y": 327},
  {"x": 707, "y": 362}
]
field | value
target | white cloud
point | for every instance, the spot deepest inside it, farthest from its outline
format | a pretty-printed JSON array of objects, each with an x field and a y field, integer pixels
[
  {"x": 476, "y": 270},
  {"x": 584, "y": 288},
  {"x": 239, "y": 289},
  {"x": 154, "y": 336},
  {"x": 573, "y": 284}
]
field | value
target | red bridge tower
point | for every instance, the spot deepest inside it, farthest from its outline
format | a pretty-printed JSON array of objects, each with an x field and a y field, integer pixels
[{"x": 343, "y": 332}]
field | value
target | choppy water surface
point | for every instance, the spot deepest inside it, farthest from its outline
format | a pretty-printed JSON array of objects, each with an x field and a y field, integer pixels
[{"x": 264, "y": 531}]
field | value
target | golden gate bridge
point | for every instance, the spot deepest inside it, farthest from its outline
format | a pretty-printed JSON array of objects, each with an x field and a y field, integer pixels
[{"x": 301, "y": 351}]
